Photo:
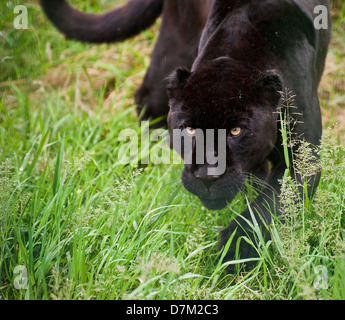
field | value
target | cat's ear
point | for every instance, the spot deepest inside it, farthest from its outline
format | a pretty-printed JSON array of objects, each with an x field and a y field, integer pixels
[
  {"x": 177, "y": 80},
  {"x": 270, "y": 84}
]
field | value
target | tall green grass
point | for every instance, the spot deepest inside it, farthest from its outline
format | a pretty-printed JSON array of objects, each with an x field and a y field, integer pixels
[{"x": 86, "y": 227}]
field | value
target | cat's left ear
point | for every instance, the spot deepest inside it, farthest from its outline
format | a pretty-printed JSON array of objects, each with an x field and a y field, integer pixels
[
  {"x": 270, "y": 84},
  {"x": 177, "y": 80}
]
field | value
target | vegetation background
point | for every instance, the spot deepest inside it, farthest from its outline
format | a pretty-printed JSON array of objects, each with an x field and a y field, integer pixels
[{"x": 85, "y": 227}]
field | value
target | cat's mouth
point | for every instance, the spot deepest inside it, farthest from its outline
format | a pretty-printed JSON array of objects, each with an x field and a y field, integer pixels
[
  {"x": 214, "y": 203},
  {"x": 214, "y": 195}
]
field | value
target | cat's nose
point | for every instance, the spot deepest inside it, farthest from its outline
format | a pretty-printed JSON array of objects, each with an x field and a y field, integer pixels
[{"x": 205, "y": 178}]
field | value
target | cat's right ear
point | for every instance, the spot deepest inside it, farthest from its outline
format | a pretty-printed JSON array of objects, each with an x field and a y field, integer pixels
[{"x": 177, "y": 80}]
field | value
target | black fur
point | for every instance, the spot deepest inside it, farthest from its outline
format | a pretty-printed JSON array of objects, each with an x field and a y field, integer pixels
[
  {"x": 248, "y": 52},
  {"x": 116, "y": 25},
  {"x": 231, "y": 57}
]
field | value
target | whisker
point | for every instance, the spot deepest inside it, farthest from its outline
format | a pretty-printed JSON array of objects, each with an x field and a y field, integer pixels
[
  {"x": 249, "y": 177},
  {"x": 171, "y": 182},
  {"x": 264, "y": 185}
]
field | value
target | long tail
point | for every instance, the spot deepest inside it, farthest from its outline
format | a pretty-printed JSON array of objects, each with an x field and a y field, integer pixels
[{"x": 112, "y": 26}]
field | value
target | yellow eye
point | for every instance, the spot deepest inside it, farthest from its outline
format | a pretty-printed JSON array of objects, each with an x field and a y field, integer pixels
[
  {"x": 190, "y": 131},
  {"x": 236, "y": 131}
]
